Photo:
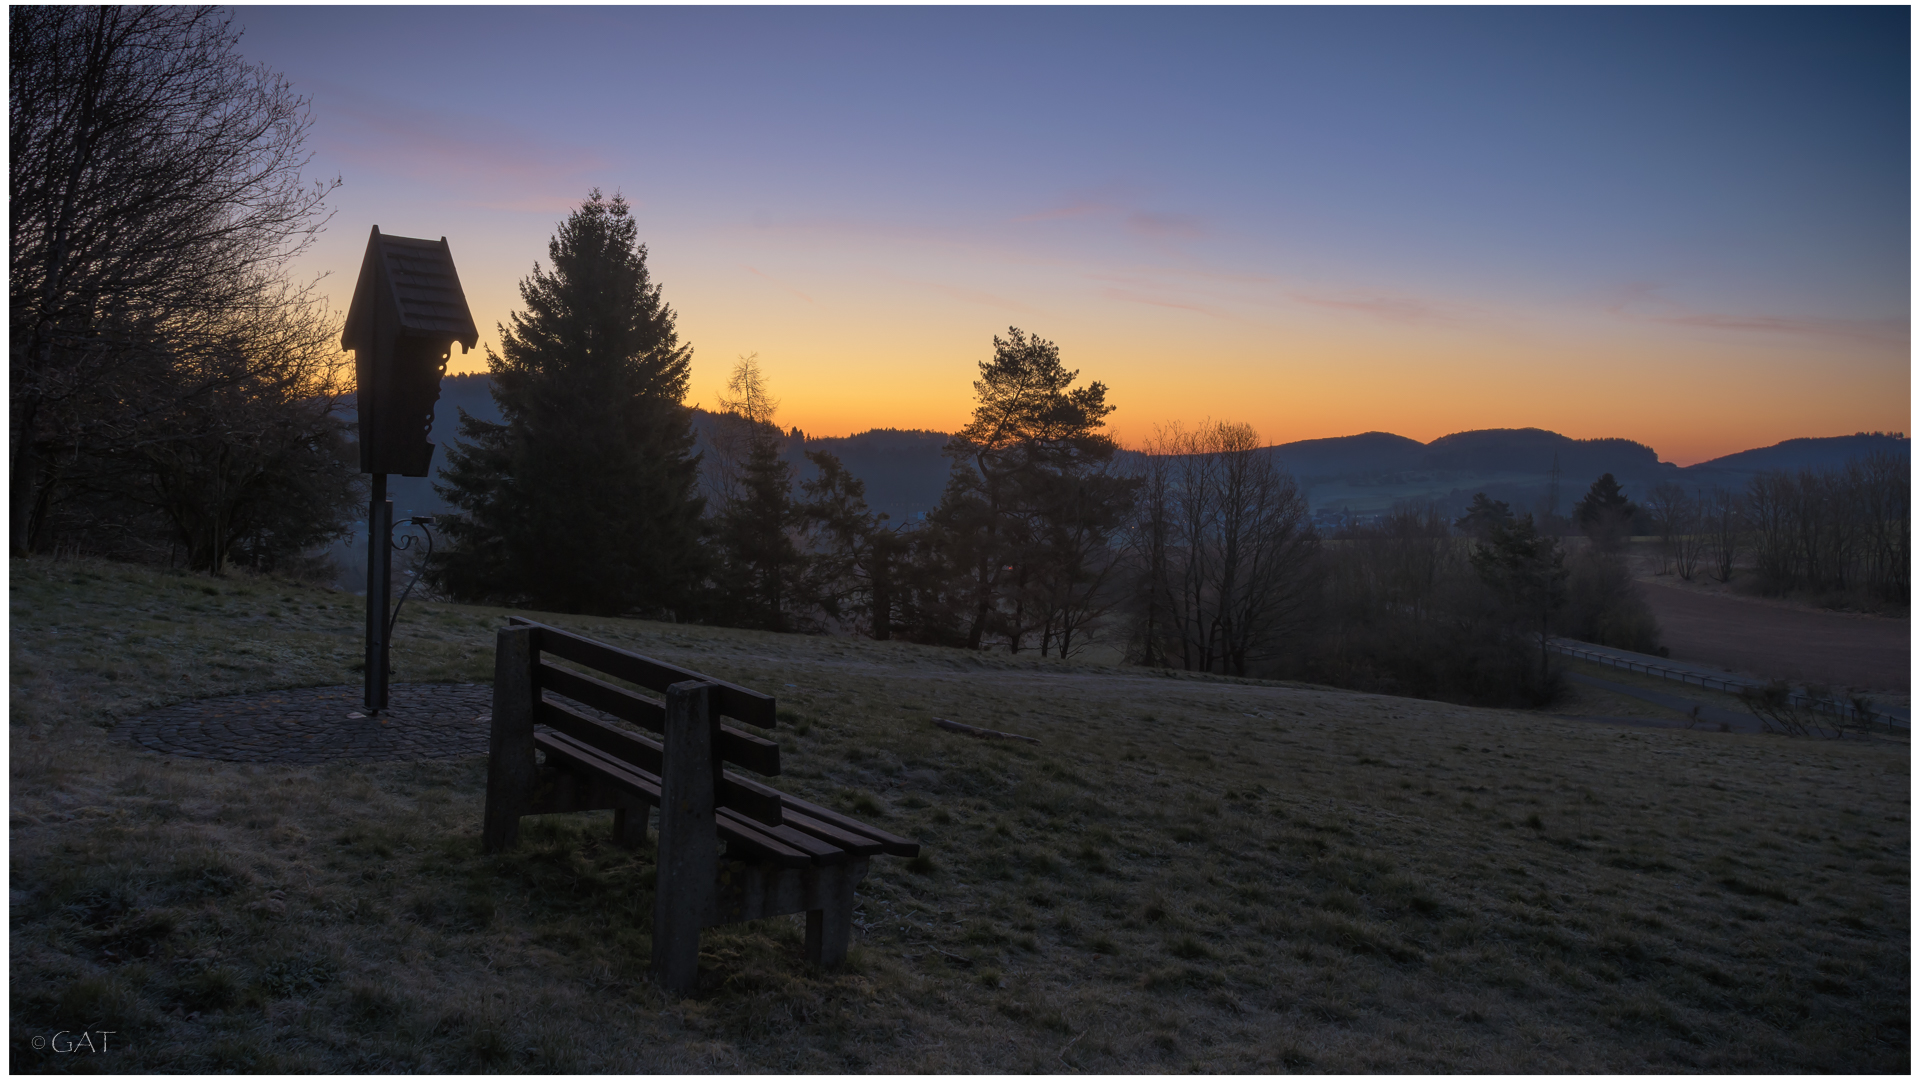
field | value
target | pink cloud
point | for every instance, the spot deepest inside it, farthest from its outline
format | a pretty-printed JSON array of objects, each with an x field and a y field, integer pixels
[
  {"x": 1133, "y": 297},
  {"x": 843, "y": 228},
  {"x": 1673, "y": 313},
  {"x": 1114, "y": 205},
  {"x": 986, "y": 299},
  {"x": 487, "y": 163},
  {"x": 532, "y": 204},
  {"x": 1399, "y": 309},
  {"x": 1165, "y": 225},
  {"x": 1875, "y": 330},
  {"x": 1153, "y": 275},
  {"x": 1076, "y": 210},
  {"x": 1634, "y": 292}
]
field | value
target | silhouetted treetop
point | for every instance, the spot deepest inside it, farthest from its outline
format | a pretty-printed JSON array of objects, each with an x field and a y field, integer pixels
[
  {"x": 584, "y": 497},
  {"x": 597, "y": 311},
  {"x": 1025, "y": 397},
  {"x": 1604, "y": 508},
  {"x": 1482, "y": 515}
]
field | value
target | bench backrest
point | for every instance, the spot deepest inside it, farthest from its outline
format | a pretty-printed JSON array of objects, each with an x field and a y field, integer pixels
[{"x": 742, "y": 748}]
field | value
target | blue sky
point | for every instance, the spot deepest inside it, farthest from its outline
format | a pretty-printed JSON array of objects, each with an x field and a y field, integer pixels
[{"x": 1685, "y": 226}]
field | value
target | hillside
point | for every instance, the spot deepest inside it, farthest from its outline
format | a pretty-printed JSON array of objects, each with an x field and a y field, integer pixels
[
  {"x": 1734, "y": 470},
  {"x": 904, "y": 470},
  {"x": 1374, "y": 452},
  {"x": 1185, "y": 874},
  {"x": 1368, "y": 474}
]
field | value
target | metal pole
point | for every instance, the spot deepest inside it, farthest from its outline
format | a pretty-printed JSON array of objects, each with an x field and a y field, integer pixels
[{"x": 379, "y": 575}]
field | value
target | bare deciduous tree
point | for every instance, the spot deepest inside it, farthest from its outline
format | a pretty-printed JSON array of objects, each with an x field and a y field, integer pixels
[
  {"x": 853, "y": 555},
  {"x": 761, "y": 579},
  {"x": 155, "y": 191},
  {"x": 1676, "y": 517},
  {"x": 746, "y": 411},
  {"x": 1079, "y": 561},
  {"x": 1725, "y": 527},
  {"x": 1834, "y": 530},
  {"x": 258, "y": 460},
  {"x": 1228, "y": 551},
  {"x": 1884, "y": 504}
]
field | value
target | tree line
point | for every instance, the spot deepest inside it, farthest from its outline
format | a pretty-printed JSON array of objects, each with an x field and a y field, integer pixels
[
  {"x": 1844, "y": 533},
  {"x": 1199, "y": 555}
]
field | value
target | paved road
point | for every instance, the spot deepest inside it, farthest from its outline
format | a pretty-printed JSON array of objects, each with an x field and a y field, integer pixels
[
  {"x": 1707, "y": 718},
  {"x": 1771, "y": 641},
  {"x": 1710, "y": 717}
]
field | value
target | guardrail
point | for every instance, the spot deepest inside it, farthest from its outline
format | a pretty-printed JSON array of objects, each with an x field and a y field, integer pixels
[{"x": 1730, "y": 684}]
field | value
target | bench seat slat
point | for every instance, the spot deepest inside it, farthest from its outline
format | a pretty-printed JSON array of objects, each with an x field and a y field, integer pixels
[
  {"x": 754, "y": 799},
  {"x": 820, "y": 851},
  {"x": 574, "y": 754},
  {"x": 738, "y": 702},
  {"x": 744, "y": 841},
  {"x": 734, "y": 827},
  {"x": 743, "y": 749},
  {"x": 890, "y": 844},
  {"x": 855, "y": 844}
]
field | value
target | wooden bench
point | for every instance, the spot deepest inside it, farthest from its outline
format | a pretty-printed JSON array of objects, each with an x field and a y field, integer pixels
[{"x": 783, "y": 854}]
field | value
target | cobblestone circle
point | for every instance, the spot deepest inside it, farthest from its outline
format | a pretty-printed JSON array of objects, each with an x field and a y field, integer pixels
[{"x": 323, "y": 723}]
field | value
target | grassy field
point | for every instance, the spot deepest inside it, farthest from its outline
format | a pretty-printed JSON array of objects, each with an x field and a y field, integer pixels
[{"x": 1185, "y": 874}]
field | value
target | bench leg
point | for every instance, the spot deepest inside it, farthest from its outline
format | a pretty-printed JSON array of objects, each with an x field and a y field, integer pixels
[
  {"x": 630, "y": 826},
  {"x": 687, "y": 862},
  {"x": 510, "y": 761},
  {"x": 830, "y": 926}
]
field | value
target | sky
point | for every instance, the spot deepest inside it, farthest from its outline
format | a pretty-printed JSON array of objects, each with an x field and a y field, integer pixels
[{"x": 1688, "y": 227}]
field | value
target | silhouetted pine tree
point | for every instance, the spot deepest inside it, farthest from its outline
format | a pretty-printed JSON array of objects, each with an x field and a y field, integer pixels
[
  {"x": 1527, "y": 572},
  {"x": 762, "y": 571},
  {"x": 854, "y": 555},
  {"x": 584, "y": 499},
  {"x": 1605, "y": 514},
  {"x": 1482, "y": 515},
  {"x": 1028, "y": 505}
]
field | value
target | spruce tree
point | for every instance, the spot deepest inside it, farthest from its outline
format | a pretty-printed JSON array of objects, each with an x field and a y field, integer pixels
[
  {"x": 1605, "y": 514},
  {"x": 584, "y": 499},
  {"x": 1483, "y": 515},
  {"x": 853, "y": 554},
  {"x": 762, "y": 572}
]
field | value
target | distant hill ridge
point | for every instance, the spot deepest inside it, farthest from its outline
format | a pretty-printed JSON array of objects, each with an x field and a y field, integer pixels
[
  {"x": 1795, "y": 453},
  {"x": 1489, "y": 450},
  {"x": 1530, "y": 468},
  {"x": 905, "y": 471}
]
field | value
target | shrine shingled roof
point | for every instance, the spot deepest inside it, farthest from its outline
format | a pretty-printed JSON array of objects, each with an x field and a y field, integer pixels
[{"x": 417, "y": 279}]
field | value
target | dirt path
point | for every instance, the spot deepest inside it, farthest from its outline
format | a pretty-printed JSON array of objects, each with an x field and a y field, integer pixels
[{"x": 1775, "y": 641}]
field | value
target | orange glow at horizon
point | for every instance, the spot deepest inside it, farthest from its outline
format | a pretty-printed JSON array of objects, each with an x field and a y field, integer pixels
[{"x": 1688, "y": 397}]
